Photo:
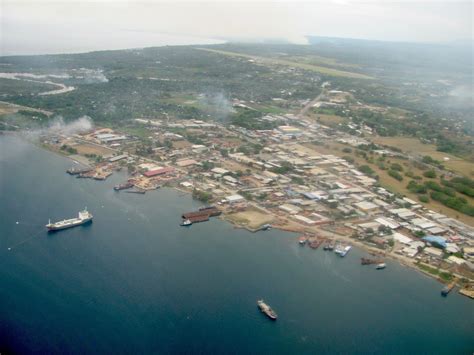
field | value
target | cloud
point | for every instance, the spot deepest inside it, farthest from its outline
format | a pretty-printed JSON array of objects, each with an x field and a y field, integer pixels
[{"x": 73, "y": 26}]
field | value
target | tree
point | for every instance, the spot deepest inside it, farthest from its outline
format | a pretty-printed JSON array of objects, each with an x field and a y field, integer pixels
[
  {"x": 202, "y": 196},
  {"x": 431, "y": 174},
  {"x": 395, "y": 174},
  {"x": 420, "y": 234},
  {"x": 366, "y": 169},
  {"x": 424, "y": 198},
  {"x": 348, "y": 158},
  {"x": 207, "y": 165},
  {"x": 396, "y": 167}
]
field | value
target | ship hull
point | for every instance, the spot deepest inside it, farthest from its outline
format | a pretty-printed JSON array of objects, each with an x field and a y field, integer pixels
[
  {"x": 53, "y": 228},
  {"x": 265, "y": 309}
]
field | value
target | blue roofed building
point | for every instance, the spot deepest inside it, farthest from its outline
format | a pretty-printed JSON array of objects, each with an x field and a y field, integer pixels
[{"x": 435, "y": 240}]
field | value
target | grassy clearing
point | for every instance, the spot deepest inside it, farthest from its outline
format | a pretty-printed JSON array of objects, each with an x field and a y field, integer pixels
[
  {"x": 414, "y": 146},
  {"x": 85, "y": 148},
  {"x": 274, "y": 61},
  {"x": 318, "y": 60},
  {"x": 8, "y": 108},
  {"x": 327, "y": 120},
  {"x": 445, "y": 276},
  {"x": 270, "y": 109},
  {"x": 139, "y": 131}
]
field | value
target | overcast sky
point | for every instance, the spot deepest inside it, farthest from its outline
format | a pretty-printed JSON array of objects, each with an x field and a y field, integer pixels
[{"x": 40, "y": 26}]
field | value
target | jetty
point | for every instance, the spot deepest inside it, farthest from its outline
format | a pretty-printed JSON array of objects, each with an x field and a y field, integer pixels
[
  {"x": 468, "y": 290},
  {"x": 448, "y": 288}
]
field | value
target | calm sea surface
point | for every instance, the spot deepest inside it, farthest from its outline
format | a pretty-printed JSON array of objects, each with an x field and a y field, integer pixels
[{"x": 135, "y": 282}]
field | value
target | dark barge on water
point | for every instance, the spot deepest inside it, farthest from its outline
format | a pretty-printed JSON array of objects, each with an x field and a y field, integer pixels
[
  {"x": 201, "y": 215},
  {"x": 75, "y": 171},
  {"x": 210, "y": 211},
  {"x": 127, "y": 185}
]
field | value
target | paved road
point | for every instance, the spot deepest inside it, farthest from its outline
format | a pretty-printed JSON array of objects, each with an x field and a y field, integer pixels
[{"x": 310, "y": 104}]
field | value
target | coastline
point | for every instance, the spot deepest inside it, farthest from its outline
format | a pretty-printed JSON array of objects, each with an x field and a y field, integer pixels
[{"x": 287, "y": 227}]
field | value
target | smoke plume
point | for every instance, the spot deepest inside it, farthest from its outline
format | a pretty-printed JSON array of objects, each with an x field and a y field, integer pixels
[{"x": 81, "y": 125}]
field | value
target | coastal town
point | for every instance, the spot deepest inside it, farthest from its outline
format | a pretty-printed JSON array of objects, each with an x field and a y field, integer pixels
[{"x": 282, "y": 177}]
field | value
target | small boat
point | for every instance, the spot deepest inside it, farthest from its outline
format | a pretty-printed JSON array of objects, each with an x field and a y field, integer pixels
[
  {"x": 342, "y": 250},
  {"x": 381, "y": 266},
  {"x": 345, "y": 251},
  {"x": 266, "y": 227},
  {"x": 302, "y": 240},
  {"x": 265, "y": 308},
  {"x": 136, "y": 192},
  {"x": 124, "y": 186},
  {"x": 328, "y": 246},
  {"x": 314, "y": 244},
  {"x": 186, "y": 223}
]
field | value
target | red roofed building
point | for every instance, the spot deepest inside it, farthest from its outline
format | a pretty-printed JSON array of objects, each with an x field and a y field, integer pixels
[{"x": 161, "y": 171}]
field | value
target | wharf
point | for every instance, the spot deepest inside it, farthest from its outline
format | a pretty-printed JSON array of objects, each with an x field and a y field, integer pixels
[
  {"x": 468, "y": 291},
  {"x": 448, "y": 288}
]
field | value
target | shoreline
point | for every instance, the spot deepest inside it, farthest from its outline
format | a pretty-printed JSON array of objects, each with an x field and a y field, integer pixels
[
  {"x": 400, "y": 259},
  {"x": 404, "y": 261}
]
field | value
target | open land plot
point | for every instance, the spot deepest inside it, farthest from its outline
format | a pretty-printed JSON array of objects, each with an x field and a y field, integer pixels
[
  {"x": 319, "y": 60},
  {"x": 87, "y": 148},
  {"x": 252, "y": 218},
  {"x": 234, "y": 166},
  {"x": 414, "y": 146},
  {"x": 327, "y": 120},
  {"x": 181, "y": 144},
  {"x": 8, "y": 108},
  {"x": 274, "y": 61}
]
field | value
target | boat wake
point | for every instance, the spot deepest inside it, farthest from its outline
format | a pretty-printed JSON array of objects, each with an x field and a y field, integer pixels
[{"x": 15, "y": 246}]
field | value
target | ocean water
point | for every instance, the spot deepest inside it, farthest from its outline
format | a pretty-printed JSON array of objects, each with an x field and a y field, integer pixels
[{"x": 134, "y": 281}]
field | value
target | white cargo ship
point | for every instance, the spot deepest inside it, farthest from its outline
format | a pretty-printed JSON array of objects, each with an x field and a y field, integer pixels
[{"x": 83, "y": 217}]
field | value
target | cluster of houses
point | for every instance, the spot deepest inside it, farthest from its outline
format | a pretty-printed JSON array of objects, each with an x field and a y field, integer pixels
[{"x": 288, "y": 179}]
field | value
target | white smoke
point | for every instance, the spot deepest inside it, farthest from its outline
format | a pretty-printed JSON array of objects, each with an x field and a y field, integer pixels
[
  {"x": 463, "y": 93},
  {"x": 81, "y": 125},
  {"x": 95, "y": 76},
  {"x": 90, "y": 76},
  {"x": 218, "y": 105}
]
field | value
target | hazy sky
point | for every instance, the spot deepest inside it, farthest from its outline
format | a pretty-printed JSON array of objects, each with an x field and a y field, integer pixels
[{"x": 39, "y": 26}]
